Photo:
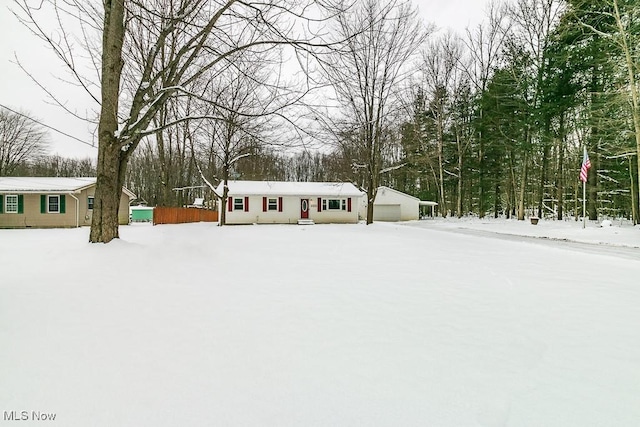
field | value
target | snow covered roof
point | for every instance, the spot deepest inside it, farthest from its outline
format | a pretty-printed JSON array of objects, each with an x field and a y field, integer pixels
[
  {"x": 281, "y": 188},
  {"x": 384, "y": 188},
  {"x": 49, "y": 185}
]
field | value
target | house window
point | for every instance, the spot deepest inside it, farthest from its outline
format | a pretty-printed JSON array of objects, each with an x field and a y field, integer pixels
[
  {"x": 90, "y": 203},
  {"x": 238, "y": 204},
  {"x": 53, "y": 204},
  {"x": 273, "y": 204},
  {"x": 335, "y": 204},
  {"x": 11, "y": 204}
]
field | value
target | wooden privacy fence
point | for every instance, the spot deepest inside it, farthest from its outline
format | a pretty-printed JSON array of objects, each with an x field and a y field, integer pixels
[{"x": 164, "y": 215}]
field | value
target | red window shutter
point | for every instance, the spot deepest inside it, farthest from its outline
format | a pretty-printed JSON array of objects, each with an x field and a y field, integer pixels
[
  {"x": 246, "y": 204},
  {"x": 319, "y": 204},
  {"x": 230, "y": 200},
  {"x": 349, "y": 204},
  {"x": 264, "y": 204},
  {"x": 279, "y": 204}
]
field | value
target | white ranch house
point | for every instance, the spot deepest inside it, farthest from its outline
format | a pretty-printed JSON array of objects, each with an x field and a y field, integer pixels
[{"x": 277, "y": 202}]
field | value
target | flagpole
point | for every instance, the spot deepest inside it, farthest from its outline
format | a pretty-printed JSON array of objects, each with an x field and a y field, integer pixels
[{"x": 584, "y": 204}]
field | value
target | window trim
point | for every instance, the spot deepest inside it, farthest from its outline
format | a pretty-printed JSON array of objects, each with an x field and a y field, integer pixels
[
  {"x": 49, "y": 197},
  {"x": 6, "y": 203},
  {"x": 342, "y": 205}
]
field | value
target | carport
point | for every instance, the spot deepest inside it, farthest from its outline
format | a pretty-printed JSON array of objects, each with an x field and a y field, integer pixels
[{"x": 427, "y": 208}]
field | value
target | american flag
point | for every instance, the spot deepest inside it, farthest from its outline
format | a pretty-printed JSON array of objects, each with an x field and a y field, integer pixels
[{"x": 586, "y": 165}]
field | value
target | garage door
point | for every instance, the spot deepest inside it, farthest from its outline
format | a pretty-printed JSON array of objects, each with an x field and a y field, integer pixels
[{"x": 386, "y": 213}]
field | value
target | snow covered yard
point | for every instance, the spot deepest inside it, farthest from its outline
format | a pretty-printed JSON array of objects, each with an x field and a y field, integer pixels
[
  {"x": 341, "y": 325},
  {"x": 620, "y": 233}
]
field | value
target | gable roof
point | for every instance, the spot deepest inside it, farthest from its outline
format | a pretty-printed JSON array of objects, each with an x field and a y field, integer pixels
[
  {"x": 385, "y": 188},
  {"x": 44, "y": 185},
  {"x": 283, "y": 188}
]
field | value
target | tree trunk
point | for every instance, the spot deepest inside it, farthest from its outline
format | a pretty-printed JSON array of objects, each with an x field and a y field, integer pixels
[
  {"x": 633, "y": 87},
  {"x": 576, "y": 207},
  {"x": 592, "y": 182},
  {"x": 511, "y": 188},
  {"x": 459, "y": 201},
  {"x": 545, "y": 167},
  {"x": 634, "y": 194},
  {"x": 496, "y": 201},
  {"x": 110, "y": 179},
  {"x": 112, "y": 162},
  {"x": 372, "y": 190},
  {"x": 225, "y": 193},
  {"x": 523, "y": 185},
  {"x": 481, "y": 179},
  {"x": 443, "y": 212},
  {"x": 560, "y": 171}
]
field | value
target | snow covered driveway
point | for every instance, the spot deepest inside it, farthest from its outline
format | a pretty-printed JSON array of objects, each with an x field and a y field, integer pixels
[
  {"x": 341, "y": 325},
  {"x": 593, "y": 247}
]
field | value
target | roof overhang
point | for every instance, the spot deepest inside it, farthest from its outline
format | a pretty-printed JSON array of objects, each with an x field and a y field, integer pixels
[
  {"x": 290, "y": 189},
  {"x": 129, "y": 193}
]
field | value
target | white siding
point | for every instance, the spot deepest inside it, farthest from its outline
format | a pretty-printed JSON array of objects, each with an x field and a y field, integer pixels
[
  {"x": 291, "y": 212},
  {"x": 387, "y": 197}
]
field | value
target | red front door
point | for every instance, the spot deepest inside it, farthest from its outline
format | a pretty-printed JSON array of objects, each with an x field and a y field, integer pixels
[{"x": 304, "y": 208}]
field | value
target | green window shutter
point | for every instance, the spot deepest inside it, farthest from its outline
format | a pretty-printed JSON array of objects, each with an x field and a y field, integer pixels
[
  {"x": 1, "y": 203},
  {"x": 62, "y": 204},
  {"x": 20, "y": 204},
  {"x": 43, "y": 203}
]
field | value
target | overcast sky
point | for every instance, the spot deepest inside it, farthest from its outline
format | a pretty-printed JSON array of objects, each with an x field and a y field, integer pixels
[{"x": 18, "y": 92}]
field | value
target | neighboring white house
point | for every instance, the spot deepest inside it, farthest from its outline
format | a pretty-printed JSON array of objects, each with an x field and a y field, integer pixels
[
  {"x": 394, "y": 205},
  {"x": 277, "y": 202}
]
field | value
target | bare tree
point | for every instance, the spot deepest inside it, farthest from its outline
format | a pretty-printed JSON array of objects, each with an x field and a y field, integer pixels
[
  {"x": 381, "y": 41},
  {"x": 533, "y": 21},
  {"x": 242, "y": 102},
  {"x": 440, "y": 65},
  {"x": 484, "y": 45},
  {"x": 157, "y": 50},
  {"x": 21, "y": 139}
]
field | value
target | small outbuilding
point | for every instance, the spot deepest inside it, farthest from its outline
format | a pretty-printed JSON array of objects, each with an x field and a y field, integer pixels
[
  {"x": 43, "y": 202},
  {"x": 141, "y": 213},
  {"x": 278, "y": 202},
  {"x": 394, "y": 205}
]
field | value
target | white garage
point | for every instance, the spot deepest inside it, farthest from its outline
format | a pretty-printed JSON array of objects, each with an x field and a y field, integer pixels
[
  {"x": 394, "y": 205},
  {"x": 387, "y": 212}
]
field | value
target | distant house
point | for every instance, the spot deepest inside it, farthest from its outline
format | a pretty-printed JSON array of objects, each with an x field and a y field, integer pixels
[
  {"x": 394, "y": 205},
  {"x": 277, "y": 202},
  {"x": 51, "y": 202}
]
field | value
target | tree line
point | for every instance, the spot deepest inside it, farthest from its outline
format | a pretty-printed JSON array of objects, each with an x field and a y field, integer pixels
[
  {"x": 489, "y": 122},
  {"x": 500, "y": 116}
]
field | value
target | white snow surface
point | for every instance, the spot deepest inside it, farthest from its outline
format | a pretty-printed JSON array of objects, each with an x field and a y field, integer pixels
[
  {"x": 325, "y": 325},
  {"x": 615, "y": 232},
  {"x": 44, "y": 184}
]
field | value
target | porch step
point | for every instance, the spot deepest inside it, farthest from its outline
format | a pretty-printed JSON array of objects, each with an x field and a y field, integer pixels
[{"x": 305, "y": 222}]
